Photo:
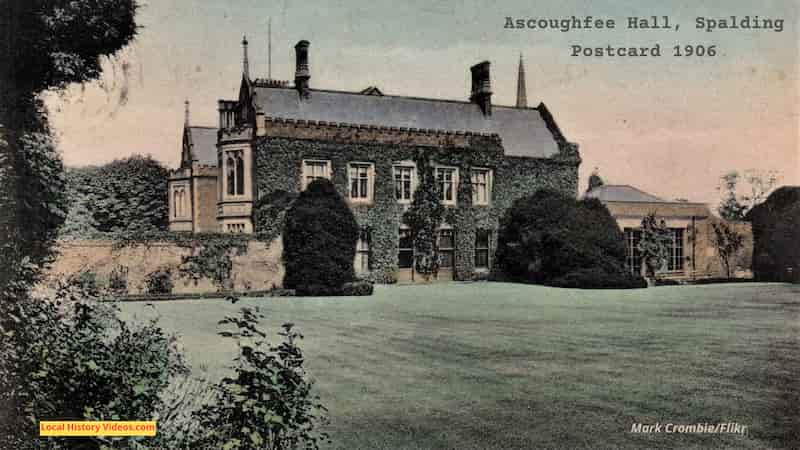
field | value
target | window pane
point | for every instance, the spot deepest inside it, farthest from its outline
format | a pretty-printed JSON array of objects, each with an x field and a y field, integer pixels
[
  {"x": 446, "y": 259},
  {"x": 482, "y": 239},
  {"x": 405, "y": 259},
  {"x": 446, "y": 239},
  {"x": 481, "y": 259}
]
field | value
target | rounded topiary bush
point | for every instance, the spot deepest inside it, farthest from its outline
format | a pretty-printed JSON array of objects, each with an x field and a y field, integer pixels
[
  {"x": 549, "y": 238},
  {"x": 319, "y": 240}
]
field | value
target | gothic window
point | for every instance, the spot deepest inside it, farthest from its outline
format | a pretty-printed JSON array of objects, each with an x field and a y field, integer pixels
[
  {"x": 175, "y": 203},
  {"x": 231, "y": 165},
  {"x": 239, "y": 174},
  {"x": 235, "y": 173}
]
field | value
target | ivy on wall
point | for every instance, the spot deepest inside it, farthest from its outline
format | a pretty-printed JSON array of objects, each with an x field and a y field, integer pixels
[
  {"x": 278, "y": 167},
  {"x": 210, "y": 257},
  {"x": 424, "y": 218}
]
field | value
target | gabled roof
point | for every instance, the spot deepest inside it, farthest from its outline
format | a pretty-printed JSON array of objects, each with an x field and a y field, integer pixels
[
  {"x": 623, "y": 193},
  {"x": 202, "y": 142},
  {"x": 523, "y": 131},
  {"x": 372, "y": 90}
]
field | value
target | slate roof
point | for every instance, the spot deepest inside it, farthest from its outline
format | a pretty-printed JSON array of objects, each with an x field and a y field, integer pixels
[
  {"x": 523, "y": 131},
  {"x": 623, "y": 193},
  {"x": 204, "y": 145}
]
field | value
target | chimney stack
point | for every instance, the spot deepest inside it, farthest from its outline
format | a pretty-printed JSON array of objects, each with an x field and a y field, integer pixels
[
  {"x": 301, "y": 73},
  {"x": 245, "y": 59},
  {"x": 482, "y": 87}
]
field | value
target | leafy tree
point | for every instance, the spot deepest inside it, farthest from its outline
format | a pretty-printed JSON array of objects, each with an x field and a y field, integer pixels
[
  {"x": 654, "y": 245},
  {"x": 734, "y": 206},
  {"x": 424, "y": 217},
  {"x": 127, "y": 195},
  {"x": 728, "y": 242},
  {"x": 47, "y": 44},
  {"x": 776, "y": 236},
  {"x": 549, "y": 238},
  {"x": 268, "y": 403},
  {"x": 80, "y": 361},
  {"x": 319, "y": 240}
]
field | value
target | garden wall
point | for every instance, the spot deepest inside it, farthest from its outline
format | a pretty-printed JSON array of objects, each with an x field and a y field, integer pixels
[{"x": 259, "y": 268}]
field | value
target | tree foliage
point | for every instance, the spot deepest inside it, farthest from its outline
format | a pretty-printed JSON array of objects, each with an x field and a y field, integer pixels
[
  {"x": 727, "y": 242},
  {"x": 424, "y": 217},
  {"x": 654, "y": 245},
  {"x": 127, "y": 195},
  {"x": 47, "y": 44},
  {"x": 268, "y": 403},
  {"x": 776, "y": 236},
  {"x": 756, "y": 185},
  {"x": 319, "y": 239},
  {"x": 549, "y": 238},
  {"x": 80, "y": 361}
]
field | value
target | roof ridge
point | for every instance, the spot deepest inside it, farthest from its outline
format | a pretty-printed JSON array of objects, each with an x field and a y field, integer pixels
[
  {"x": 323, "y": 123},
  {"x": 410, "y": 97}
]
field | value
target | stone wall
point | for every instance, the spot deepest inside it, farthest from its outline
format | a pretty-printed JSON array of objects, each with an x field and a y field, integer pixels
[
  {"x": 205, "y": 192},
  {"x": 278, "y": 166},
  {"x": 707, "y": 260},
  {"x": 259, "y": 268}
]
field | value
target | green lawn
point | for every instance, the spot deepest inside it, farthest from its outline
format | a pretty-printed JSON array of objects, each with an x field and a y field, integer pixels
[{"x": 492, "y": 365}]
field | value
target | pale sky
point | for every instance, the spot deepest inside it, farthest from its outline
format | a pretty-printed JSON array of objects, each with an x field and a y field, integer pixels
[{"x": 670, "y": 125}]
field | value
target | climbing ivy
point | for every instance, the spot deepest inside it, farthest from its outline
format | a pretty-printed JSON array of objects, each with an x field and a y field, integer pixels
[
  {"x": 424, "y": 218},
  {"x": 279, "y": 161}
]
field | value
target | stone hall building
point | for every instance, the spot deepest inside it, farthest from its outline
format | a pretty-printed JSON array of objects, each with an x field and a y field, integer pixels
[{"x": 278, "y": 136}]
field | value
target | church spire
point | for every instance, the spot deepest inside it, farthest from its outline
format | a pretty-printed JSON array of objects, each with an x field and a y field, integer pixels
[
  {"x": 245, "y": 61},
  {"x": 522, "y": 96},
  {"x": 186, "y": 112}
]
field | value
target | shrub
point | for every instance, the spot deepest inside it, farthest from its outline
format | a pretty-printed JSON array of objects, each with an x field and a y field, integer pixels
[
  {"x": 319, "y": 239},
  {"x": 118, "y": 280},
  {"x": 595, "y": 278},
  {"x": 549, "y": 238},
  {"x": 80, "y": 361},
  {"x": 357, "y": 288},
  {"x": 86, "y": 280},
  {"x": 159, "y": 282},
  {"x": 268, "y": 402},
  {"x": 776, "y": 236},
  {"x": 318, "y": 290}
]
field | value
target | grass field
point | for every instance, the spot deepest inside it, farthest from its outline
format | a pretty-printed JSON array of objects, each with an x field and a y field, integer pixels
[{"x": 491, "y": 365}]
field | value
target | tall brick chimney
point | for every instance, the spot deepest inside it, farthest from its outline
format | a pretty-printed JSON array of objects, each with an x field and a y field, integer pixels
[
  {"x": 482, "y": 87},
  {"x": 301, "y": 72}
]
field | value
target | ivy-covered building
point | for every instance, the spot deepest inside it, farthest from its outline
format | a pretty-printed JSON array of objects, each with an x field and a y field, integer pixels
[{"x": 278, "y": 136}]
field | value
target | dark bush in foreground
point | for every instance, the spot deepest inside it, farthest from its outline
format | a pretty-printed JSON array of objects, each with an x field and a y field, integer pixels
[
  {"x": 776, "y": 236},
  {"x": 159, "y": 282},
  {"x": 548, "y": 238},
  {"x": 598, "y": 279},
  {"x": 357, "y": 288},
  {"x": 319, "y": 241}
]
